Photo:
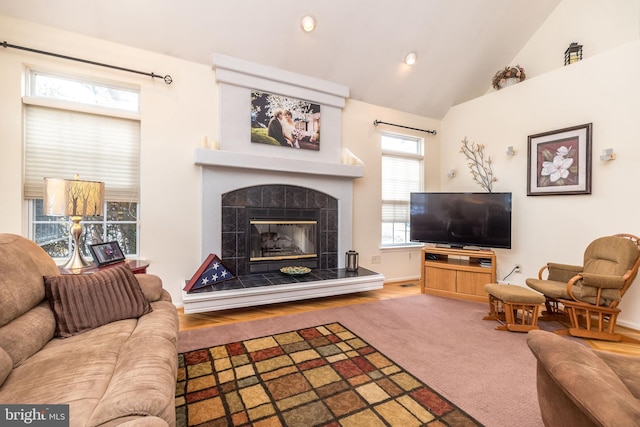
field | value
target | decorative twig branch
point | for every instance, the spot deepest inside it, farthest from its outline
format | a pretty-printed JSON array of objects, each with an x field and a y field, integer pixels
[{"x": 479, "y": 167}]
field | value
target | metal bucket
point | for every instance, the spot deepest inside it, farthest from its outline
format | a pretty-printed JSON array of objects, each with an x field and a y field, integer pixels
[{"x": 351, "y": 260}]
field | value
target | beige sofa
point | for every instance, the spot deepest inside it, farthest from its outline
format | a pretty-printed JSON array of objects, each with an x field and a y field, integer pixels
[
  {"x": 105, "y": 344},
  {"x": 580, "y": 387}
]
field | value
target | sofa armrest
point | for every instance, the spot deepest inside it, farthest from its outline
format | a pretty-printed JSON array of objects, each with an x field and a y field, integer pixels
[{"x": 152, "y": 289}]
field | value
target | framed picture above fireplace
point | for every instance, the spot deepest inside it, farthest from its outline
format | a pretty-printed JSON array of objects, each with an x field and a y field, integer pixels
[{"x": 286, "y": 122}]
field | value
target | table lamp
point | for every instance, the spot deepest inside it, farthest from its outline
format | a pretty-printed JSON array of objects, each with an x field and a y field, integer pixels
[{"x": 75, "y": 199}]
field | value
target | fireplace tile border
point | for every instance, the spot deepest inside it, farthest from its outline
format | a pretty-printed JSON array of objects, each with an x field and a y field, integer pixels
[{"x": 234, "y": 210}]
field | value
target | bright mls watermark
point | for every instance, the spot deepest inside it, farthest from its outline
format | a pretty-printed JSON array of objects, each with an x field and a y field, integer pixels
[{"x": 34, "y": 415}]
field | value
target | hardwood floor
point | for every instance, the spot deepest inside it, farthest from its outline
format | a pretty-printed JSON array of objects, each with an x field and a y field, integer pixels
[
  {"x": 215, "y": 318},
  {"x": 390, "y": 290}
]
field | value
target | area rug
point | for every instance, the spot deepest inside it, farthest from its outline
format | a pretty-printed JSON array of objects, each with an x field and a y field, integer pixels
[{"x": 317, "y": 376}]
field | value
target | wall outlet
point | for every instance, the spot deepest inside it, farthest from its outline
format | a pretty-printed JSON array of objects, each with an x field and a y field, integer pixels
[
  {"x": 375, "y": 259},
  {"x": 504, "y": 282},
  {"x": 517, "y": 269}
]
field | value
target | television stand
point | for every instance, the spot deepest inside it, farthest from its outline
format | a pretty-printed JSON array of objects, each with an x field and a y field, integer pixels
[{"x": 457, "y": 273}]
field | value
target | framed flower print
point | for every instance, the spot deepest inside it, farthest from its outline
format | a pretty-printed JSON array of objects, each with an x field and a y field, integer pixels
[{"x": 559, "y": 162}]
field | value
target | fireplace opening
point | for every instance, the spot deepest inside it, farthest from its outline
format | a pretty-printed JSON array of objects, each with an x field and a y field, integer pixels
[
  {"x": 279, "y": 238},
  {"x": 282, "y": 240}
]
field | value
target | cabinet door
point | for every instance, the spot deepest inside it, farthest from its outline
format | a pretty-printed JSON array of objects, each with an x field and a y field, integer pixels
[
  {"x": 472, "y": 283},
  {"x": 440, "y": 278}
]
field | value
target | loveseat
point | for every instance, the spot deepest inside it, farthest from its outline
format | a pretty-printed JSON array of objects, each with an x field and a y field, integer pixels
[
  {"x": 580, "y": 387},
  {"x": 103, "y": 343}
]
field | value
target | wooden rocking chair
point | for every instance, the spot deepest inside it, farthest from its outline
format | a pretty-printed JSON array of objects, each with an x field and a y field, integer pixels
[{"x": 589, "y": 295}]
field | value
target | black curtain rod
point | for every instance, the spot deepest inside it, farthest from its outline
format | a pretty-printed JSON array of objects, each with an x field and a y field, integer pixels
[
  {"x": 167, "y": 79},
  {"x": 378, "y": 122}
]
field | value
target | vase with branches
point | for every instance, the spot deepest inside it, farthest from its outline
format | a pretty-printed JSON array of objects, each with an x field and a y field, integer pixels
[{"x": 479, "y": 166}]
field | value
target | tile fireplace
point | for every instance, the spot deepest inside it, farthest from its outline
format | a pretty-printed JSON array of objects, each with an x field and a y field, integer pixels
[
  {"x": 266, "y": 227},
  {"x": 244, "y": 182},
  {"x": 234, "y": 195}
]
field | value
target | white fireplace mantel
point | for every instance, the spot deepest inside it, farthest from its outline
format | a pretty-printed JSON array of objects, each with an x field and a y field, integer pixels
[
  {"x": 236, "y": 163},
  {"x": 233, "y": 159}
]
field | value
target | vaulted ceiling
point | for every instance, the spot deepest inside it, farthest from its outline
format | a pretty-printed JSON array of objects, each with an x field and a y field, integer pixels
[{"x": 360, "y": 44}]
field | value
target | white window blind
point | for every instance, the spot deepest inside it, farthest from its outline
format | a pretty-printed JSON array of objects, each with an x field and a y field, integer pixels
[
  {"x": 60, "y": 143},
  {"x": 402, "y": 176},
  {"x": 402, "y": 163}
]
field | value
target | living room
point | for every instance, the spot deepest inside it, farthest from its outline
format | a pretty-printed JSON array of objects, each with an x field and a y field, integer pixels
[{"x": 177, "y": 118}]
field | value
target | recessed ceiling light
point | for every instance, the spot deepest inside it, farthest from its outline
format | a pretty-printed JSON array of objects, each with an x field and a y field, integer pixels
[
  {"x": 308, "y": 23},
  {"x": 411, "y": 58}
]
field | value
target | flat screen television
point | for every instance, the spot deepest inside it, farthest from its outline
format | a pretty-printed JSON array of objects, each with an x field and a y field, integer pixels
[{"x": 479, "y": 220}]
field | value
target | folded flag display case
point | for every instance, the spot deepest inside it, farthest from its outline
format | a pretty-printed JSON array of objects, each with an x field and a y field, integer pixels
[{"x": 211, "y": 271}]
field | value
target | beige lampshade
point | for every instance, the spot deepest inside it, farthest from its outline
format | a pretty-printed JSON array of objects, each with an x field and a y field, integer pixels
[{"x": 65, "y": 197}]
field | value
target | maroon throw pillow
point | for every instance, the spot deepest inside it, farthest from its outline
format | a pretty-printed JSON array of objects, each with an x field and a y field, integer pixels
[{"x": 81, "y": 302}]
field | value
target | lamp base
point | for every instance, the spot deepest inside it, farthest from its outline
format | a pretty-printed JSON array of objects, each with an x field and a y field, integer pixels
[{"x": 76, "y": 263}]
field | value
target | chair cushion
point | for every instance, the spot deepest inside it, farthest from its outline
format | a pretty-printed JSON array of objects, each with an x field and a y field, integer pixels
[
  {"x": 549, "y": 288},
  {"x": 610, "y": 255},
  {"x": 81, "y": 302},
  {"x": 513, "y": 293},
  {"x": 605, "y": 258}
]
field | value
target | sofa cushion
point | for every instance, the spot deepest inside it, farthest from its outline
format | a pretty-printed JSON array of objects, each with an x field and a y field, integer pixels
[
  {"x": 6, "y": 365},
  {"x": 134, "y": 360},
  {"x": 22, "y": 265},
  {"x": 38, "y": 324},
  {"x": 144, "y": 379},
  {"x": 81, "y": 302}
]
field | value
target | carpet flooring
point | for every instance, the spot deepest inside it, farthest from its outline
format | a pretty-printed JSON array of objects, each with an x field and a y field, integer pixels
[
  {"x": 318, "y": 376},
  {"x": 442, "y": 342}
]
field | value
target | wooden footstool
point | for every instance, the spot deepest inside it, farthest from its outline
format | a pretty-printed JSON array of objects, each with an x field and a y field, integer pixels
[{"x": 514, "y": 306}]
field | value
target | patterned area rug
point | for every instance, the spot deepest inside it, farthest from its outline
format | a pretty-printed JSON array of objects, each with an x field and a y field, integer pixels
[{"x": 319, "y": 376}]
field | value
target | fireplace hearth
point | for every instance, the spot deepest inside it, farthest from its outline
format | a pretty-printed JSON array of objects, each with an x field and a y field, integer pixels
[{"x": 271, "y": 288}]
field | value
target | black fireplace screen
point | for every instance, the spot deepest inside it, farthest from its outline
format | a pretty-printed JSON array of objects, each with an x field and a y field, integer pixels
[{"x": 281, "y": 240}]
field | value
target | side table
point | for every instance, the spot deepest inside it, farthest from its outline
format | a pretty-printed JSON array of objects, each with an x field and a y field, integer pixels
[{"x": 138, "y": 266}]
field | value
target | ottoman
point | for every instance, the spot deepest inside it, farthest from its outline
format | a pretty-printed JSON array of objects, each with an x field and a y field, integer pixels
[{"x": 514, "y": 306}]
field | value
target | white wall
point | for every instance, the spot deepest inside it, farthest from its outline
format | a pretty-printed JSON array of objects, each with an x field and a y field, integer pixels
[
  {"x": 598, "y": 25},
  {"x": 598, "y": 90}
]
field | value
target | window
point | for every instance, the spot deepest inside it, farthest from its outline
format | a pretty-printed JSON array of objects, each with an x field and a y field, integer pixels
[
  {"x": 92, "y": 129},
  {"x": 402, "y": 174}
]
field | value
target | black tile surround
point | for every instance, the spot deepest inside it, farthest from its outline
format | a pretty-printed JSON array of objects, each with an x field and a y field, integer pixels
[{"x": 235, "y": 222}]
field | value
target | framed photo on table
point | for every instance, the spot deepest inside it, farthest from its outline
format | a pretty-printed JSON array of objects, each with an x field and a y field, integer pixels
[
  {"x": 106, "y": 253},
  {"x": 559, "y": 162}
]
